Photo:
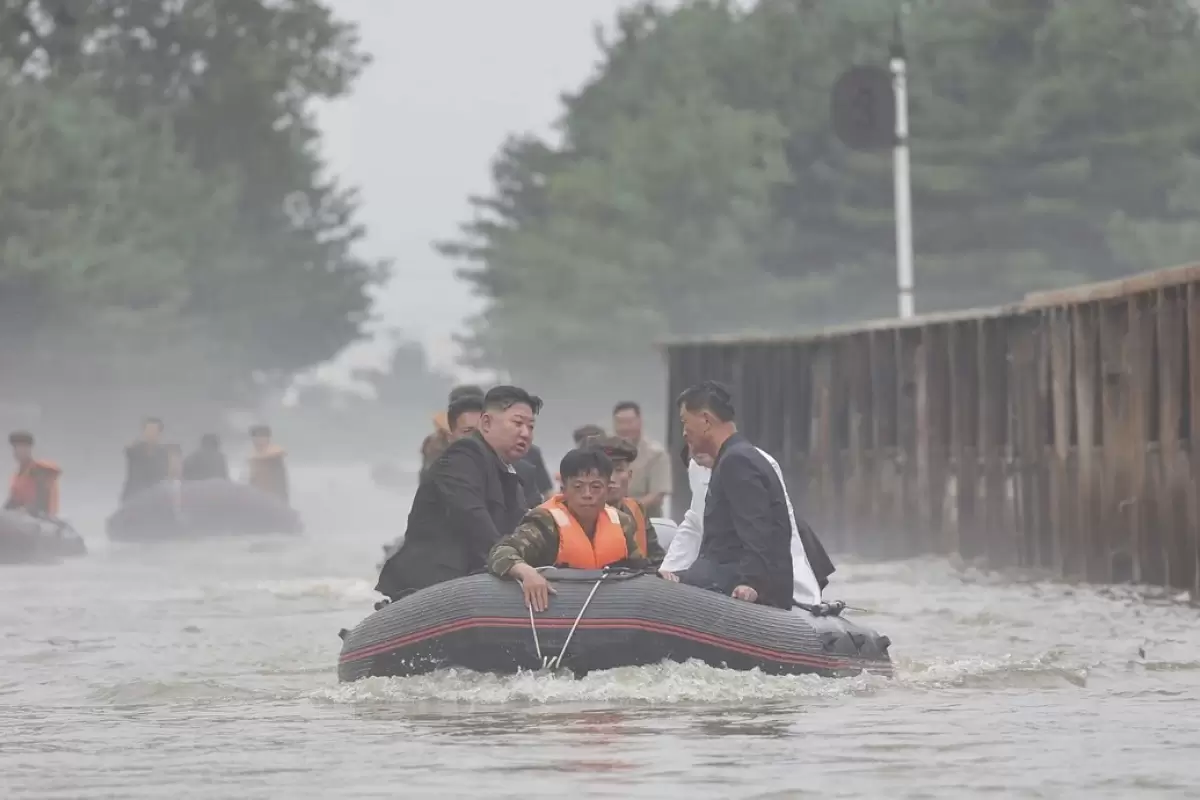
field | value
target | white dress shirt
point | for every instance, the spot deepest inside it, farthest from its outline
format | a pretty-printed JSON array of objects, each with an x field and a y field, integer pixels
[{"x": 685, "y": 545}]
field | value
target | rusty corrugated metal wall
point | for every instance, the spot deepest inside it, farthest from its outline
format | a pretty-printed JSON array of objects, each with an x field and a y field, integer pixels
[{"x": 1056, "y": 433}]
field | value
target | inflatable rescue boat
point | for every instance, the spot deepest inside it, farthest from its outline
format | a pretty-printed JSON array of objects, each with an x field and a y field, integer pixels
[
  {"x": 600, "y": 620},
  {"x": 199, "y": 509},
  {"x": 25, "y": 539}
]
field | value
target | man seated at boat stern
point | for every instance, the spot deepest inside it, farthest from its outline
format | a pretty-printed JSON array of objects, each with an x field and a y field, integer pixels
[
  {"x": 746, "y": 548},
  {"x": 576, "y": 529},
  {"x": 623, "y": 453},
  {"x": 468, "y": 498},
  {"x": 34, "y": 486}
]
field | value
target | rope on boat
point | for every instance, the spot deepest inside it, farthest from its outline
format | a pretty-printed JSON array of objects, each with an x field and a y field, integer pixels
[
  {"x": 555, "y": 663},
  {"x": 549, "y": 663}
]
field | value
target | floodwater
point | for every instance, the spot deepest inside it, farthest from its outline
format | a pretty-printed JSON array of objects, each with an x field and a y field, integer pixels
[{"x": 208, "y": 671}]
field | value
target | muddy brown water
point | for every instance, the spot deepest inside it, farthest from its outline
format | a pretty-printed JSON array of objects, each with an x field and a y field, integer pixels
[{"x": 208, "y": 671}]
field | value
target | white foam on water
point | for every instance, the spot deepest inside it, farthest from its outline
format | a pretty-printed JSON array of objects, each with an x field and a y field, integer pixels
[{"x": 661, "y": 684}]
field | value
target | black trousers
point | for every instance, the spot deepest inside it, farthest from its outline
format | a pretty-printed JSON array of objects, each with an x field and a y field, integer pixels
[{"x": 707, "y": 574}]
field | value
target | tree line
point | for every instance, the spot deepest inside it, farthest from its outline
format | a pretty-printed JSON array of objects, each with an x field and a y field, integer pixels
[
  {"x": 697, "y": 186},
  {"x": 168, "y": 230}
]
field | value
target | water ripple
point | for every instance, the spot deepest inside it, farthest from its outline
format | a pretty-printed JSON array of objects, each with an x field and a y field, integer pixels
[{"x": 208, "y": 670}]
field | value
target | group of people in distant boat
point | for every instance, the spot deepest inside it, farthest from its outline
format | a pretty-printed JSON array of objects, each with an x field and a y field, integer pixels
[
  {"x": 150, "y": 461},
  {"x": 480, "y": 504},
  {"x": 34, "y": 487}
]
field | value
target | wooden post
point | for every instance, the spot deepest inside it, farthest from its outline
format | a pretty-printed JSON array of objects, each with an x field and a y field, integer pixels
[
  {"x": 1087, "y": 386},
  {"x": 1062, "y": 492},
  {"x": 965, "y": 373},
  {"x": 1172, "y": 518},
  {"x": 1114, "y": 328}
]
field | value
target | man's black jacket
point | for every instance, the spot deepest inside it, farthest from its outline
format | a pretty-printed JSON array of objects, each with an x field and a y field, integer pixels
[
  {"x": 531, "y": 469},
  {"x": 746, "y": 524},
  {"x": 466, "y": 500}
]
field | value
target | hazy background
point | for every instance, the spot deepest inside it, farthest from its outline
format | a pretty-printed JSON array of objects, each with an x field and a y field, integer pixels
[
  {"x": 183, "y": 236},
  {"x": 449, "y": 81}
]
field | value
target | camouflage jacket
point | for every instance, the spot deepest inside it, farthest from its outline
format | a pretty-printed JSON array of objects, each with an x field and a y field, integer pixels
[{"x": 535, "y": 542}]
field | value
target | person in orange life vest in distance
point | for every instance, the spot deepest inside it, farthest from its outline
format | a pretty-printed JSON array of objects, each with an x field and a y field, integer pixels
[
  {"x": 576, "y": 529},
  {"x": 623, "y": 453},
  {"x": 34, "y": 487},
  {"x": 746, "y": 548}
]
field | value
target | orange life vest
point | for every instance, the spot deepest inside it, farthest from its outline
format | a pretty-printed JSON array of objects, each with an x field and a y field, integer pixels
[
  {"x": 24, "y": 491},
  {"x": 575, "y": 549},
  {"x": 635, "y": 511}
]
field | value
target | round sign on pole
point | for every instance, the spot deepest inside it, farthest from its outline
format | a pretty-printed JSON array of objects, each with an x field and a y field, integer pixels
[{"x": 863, "y": 108}]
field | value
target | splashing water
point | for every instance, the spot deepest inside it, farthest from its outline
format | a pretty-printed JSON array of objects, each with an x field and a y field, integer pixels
[{"x": 208, "y": 670}]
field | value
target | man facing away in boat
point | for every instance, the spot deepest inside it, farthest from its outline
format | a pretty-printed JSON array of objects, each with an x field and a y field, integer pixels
[
  {"x": 746, "y": 548},
  {"x": 436, "y": 443},
  {"x": 34, "y": 486},
  {"x": 147, "y": 461},
  {"x": 685, "y": 546},
  {"x": 576, "y": 529},
  {"x": 462, "y": 418},
  {"x": 469, "y": 497},
  {"x": 208, "y": 462},
  {"x": 622, "y": 453},
  {"x": 267, "y": 469},
  {"x": 463, "y": 414}
]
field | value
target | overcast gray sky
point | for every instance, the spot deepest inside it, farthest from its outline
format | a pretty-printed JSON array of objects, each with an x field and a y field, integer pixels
[{"x": 451, "y": 78}]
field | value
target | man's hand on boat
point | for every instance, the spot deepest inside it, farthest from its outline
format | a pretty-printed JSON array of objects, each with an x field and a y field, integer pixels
[
  {"x": 746, "y": 593},
  {"x": 537, "y": 590}
]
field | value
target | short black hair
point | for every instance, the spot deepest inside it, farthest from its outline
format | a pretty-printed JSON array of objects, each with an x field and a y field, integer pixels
[
  {"x": 210, "y": 440},
  {"x": 20, "y": 437},
  {"x": 502, "y": 398},
  {"x": 465, "y": 390},
  {"x": 584, "y": 460},
  {"x": 585, "y": 432},
  {"x": 627, "y": 405},
  {"x": 153, "y": 421},
  {"x": 711, "y": 396},
  {"x": 260, "y": 430},
  {"x": 616, "y": 448},
  {"x": 464, "y": 404}
]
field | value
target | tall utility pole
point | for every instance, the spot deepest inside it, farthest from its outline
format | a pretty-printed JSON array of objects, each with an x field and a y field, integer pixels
[{"x": 900, "y": 170}]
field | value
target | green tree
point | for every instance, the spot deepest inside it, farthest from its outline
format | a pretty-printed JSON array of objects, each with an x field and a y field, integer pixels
[
  {"x": 408, "y": 383},
  {"x": 102, "y": 222},
  {"x": 698, "y": 163},
  {"x": 1163, "y": 241},
  {"x": 234, "y": 81}
]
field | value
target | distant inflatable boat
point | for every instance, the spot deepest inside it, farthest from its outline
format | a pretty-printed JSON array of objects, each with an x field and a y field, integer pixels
[
  {"x": 600, "y": 621},
  {"x": 205, "y": 508},
  {"x": 32, "y": 540}
]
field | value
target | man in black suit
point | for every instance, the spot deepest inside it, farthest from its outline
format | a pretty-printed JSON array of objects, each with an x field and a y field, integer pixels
[
  {"x": 469, "y": 498},
  {"x": 746, "y": 548}
]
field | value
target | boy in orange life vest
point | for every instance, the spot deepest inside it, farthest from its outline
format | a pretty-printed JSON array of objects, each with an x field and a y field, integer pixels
[
  {"x": 34, "y": 487},
  {"x": 575, "y": 529},
  {"x": 622, "y": 453}
]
